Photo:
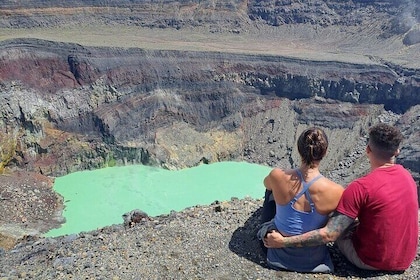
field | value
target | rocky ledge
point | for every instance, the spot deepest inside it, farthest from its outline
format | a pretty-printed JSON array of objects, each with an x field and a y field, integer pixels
[
  {"x": 29, "y": 207},
  {"x": 217, "y": 241}
]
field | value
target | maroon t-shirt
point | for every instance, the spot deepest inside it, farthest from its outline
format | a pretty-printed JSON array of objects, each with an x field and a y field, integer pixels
[{"x": 385, "y": 201}]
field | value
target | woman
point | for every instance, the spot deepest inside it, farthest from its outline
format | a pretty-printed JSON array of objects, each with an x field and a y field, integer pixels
[{"x": 303, "y": 200}]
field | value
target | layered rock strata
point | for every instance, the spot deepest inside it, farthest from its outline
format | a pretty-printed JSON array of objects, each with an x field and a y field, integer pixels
[{"x": 69, "y": 107}]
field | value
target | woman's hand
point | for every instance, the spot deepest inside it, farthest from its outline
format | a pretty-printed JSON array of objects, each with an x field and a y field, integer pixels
[{"x": 274, "y": 239}]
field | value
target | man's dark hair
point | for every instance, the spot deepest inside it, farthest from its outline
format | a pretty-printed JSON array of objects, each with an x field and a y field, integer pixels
[
  {"x": 384, "y": 140},
  {"x": 312, "y": 145}
]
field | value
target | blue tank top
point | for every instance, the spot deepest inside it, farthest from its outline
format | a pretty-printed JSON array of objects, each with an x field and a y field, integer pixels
[{"x": 293, "y": 222}]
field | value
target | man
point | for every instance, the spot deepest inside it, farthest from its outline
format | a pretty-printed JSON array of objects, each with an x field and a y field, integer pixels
[{"x": 384, "y": 206}]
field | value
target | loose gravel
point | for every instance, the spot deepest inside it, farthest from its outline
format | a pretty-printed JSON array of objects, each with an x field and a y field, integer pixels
[{"x": 216, "y": 241}]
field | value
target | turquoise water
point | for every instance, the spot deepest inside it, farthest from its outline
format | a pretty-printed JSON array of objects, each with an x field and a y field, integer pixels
[{"x": 98, "y": 198}]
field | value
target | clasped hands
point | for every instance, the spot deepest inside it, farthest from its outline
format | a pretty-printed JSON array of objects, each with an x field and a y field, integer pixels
[{"x": 274, "y": 239}]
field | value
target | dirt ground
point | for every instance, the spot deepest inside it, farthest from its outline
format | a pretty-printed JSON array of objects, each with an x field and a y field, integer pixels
[
  {"x": 300, "y": 41},
  {"x": 29, "y": 206}
]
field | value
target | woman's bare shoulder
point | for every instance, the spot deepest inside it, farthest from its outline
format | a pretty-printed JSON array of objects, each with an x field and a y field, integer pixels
[
  {"x": 326, "y": 195},
  {"x": 279, "y": 177},
  {"x": 280, "y": 173},
  {"x": 325, "y": 188},
  {"x": 328, "y": 184}
]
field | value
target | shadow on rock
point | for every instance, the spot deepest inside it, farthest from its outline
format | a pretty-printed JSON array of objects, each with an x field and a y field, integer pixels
[
  {"x": 244, "y": 243},
  {"x": 346, "y": 269}
]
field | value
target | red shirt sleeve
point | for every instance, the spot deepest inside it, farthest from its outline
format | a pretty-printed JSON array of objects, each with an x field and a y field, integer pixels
[{"x": 352, "y": 200}]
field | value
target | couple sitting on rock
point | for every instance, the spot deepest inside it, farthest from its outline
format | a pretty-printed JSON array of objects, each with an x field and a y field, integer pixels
[{"x": 373, "y": 221}]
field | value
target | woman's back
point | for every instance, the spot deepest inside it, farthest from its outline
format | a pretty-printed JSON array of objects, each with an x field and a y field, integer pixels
[
  {"x": 303, "y": 202},
  {"x": 293, "y": 218},
  {"x": 286, "y": 184},
  {"x": 303, "y": 199}
]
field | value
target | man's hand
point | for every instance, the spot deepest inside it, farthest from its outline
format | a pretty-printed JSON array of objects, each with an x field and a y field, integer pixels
[{"x": 274, "y": 239}]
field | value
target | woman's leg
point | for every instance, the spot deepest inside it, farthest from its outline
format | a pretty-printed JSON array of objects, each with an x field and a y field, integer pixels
[
  {"x": 268, "y": 213},
  {"x": 269, "y": 207}
]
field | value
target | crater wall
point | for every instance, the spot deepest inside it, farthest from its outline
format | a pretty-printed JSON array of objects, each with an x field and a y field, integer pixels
[{"x": 71, "y": 107}]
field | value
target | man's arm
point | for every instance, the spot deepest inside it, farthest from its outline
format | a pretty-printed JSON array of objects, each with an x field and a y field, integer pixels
[{"x": 335, "y": 226}]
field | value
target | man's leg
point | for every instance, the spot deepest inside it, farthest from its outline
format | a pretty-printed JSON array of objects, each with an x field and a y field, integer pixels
[{"x": 346, "y": 247}]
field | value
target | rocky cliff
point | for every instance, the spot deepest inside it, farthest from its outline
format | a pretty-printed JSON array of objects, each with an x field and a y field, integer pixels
[
  {"x": 259, "y": 72},
  {"x": 120, "y": 105},
  {"x": 234, "y": 15}
]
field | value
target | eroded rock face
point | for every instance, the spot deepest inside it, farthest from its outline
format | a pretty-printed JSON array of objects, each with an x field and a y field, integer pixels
[
  {"x": 218, "y": 16},
  {"x": 132, "y": 105}
]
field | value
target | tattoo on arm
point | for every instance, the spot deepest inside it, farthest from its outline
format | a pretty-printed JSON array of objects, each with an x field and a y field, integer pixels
[{"x": 334, "y": 228}]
